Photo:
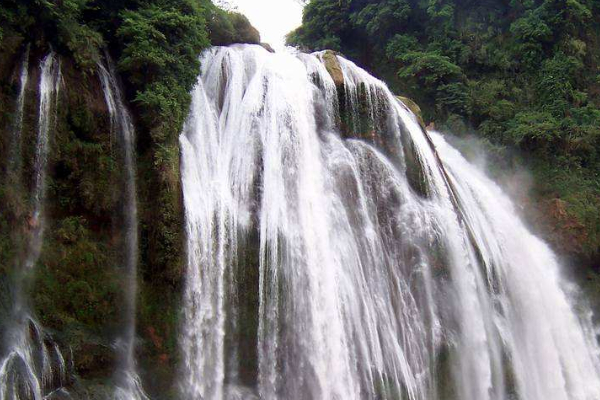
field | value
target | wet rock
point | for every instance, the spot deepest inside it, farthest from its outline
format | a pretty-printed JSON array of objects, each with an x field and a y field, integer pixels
[
  {"x": 91, "y": 356},
  {"x": 90, "y": 390},
  {"x": 414, "y": 107},
  {"x": 415, "y": 169},
  {"x": 268, "y": 47},
  {"x": 333, "y": 67},
  {"x": 60, "y": 394}
]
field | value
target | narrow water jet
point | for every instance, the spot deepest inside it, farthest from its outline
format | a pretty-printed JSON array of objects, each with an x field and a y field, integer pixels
[
  {"x": 128, "y": 382},
  {"x": 15, "y": 155},
  {"x": 368, "y": 288},
  {"x": 49, "y": 90},
  {"x": 32, "y": 364}
]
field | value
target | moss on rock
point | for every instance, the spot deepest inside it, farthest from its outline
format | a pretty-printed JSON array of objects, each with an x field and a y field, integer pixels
[
  {"x": 334, "y": 68},
  {"x": 414, "y": 107}
]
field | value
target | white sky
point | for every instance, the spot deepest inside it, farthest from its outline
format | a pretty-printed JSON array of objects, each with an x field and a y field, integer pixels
[{"x": 273, "y": 18}]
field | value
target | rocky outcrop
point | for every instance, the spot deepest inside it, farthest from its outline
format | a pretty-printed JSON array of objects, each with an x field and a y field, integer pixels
[
  {"x": 268, "y": 47},
  {"x": 332, "y": 65},
  {"x": 414, "y": 107}
]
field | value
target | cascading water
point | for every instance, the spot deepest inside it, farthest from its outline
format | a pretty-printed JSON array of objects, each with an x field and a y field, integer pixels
[
  {"x": 49, "y": 89},
  {"x": 128, "y": 383},
  {"x": 32, "y": 364},
  {"x": 322, "y": 266},
  {"x": 15, "y": 154}
]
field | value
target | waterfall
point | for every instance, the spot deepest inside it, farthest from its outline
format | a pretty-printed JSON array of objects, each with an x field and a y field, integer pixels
[
  {"x": 14, "y": 171},
  {"x": 336, "y": 250},
  {"x": 32, "y": 364},
  {"x": 16, "y": 139},
  {"x": 129, "y": 385},
  {"x": 49, "y": 90}
]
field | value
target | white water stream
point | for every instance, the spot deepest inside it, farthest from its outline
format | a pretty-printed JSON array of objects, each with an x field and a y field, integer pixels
[
  {"x": 368, "y": 288},
  {"x": 129, "y": 386},
  {"x": 32, "y": 363}
]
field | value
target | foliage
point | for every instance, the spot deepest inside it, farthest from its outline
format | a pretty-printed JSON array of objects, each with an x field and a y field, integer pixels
[
  {"x": 73, "y": 284},
  {"x": 161, "y": 43},
  {"x": 156, "y": 44},
  {"x": 230, "y": 27}
]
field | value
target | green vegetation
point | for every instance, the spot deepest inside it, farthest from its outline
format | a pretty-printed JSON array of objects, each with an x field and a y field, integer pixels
[
  {"x": 521, "y": 74},
  {"x": 75, "y": 265},
  {"x": 156, "y": 44}
]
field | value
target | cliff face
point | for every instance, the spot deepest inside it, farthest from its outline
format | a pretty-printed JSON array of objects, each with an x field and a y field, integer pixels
[{"x": 75, "y": 289}]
